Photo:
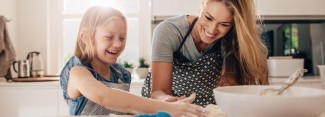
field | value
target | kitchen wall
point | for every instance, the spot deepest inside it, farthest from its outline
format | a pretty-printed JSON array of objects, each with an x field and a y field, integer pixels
[
  {"x": 8, "y": 9},
  {"x": 318, "y": 41},
  {"x": 32, "y": 27}
]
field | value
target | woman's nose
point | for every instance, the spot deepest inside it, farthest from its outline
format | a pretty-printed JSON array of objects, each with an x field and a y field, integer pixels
[{"x": 213, "y": 29}]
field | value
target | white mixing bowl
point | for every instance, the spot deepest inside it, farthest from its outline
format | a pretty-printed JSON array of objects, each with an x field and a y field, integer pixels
[{"x": 246, "y": 101}]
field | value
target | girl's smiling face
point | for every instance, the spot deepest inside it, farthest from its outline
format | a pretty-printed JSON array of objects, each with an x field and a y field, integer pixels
[{"x": 110, "y": 40}]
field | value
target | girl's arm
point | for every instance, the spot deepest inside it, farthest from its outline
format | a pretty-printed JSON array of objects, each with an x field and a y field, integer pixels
[{"x": 82, "y": 82}]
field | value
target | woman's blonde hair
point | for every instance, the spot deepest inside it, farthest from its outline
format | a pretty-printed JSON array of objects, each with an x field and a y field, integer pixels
[
  {"x": 245, "y": 53},
  {"x": 93, "y": 18}
]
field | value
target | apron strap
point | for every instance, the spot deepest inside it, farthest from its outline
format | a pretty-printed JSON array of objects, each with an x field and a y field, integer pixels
[{"x": 187, "y": 34}]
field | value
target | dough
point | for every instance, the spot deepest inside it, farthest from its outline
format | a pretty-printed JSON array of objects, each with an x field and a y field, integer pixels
[{"x": 214, "y": 111}]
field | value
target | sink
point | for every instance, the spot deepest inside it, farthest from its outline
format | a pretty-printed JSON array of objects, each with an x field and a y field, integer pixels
[{"x": 284, "y": 67}]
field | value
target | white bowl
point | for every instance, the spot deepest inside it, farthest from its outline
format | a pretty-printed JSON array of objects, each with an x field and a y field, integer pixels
[{"x": 246, "y": 101}]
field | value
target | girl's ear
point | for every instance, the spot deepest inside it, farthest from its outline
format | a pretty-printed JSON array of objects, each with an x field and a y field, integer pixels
[{"x": 82, "y": 37}]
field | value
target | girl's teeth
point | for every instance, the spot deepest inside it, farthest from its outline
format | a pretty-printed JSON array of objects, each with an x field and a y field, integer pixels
[{"x": 112, "y": 52}]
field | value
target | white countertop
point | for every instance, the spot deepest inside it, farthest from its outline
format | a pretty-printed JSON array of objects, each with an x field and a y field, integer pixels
[
  {"x": 305, "y": 79},
  {"x": 3, "y": 82},
  {"x": 136, "y": 81}
]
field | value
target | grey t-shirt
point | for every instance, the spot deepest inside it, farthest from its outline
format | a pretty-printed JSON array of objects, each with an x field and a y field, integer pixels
[{"x": 167, "y": 37}]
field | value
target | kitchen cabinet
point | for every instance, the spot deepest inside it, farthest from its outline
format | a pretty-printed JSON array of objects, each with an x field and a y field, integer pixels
[
  {"x": 38, "y": 99},
  {"x": 175, "y": 7},
  {"x": 264, "y": 7},
  {"x": 28, "y": 99},
  {"x": 290, "y": 7},
  {"x": 136, "y": 86},
  {"x": 307, "y": 81}
]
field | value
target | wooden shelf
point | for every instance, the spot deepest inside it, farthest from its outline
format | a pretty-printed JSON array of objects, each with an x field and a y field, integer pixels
[{"x": 40, "y": 79}]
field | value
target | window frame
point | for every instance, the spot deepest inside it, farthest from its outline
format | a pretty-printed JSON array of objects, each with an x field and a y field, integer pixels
[{"x": 55, "y": 57}]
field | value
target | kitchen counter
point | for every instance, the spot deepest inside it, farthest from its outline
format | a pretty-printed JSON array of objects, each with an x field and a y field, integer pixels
[
  {"x": 44, "y": 99},
  {"x": 305, "y": 79},
  {"x": 3, "y": 82},
  {"x": 137, "y": 82}
]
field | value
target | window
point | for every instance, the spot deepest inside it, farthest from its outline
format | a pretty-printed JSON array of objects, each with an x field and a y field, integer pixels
[
  {"x": 290, "y": 39},
  {"x": 136, "y": 11}
]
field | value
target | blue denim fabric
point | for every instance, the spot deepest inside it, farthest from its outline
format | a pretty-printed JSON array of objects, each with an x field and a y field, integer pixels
[{"x": 76, "y": 105}]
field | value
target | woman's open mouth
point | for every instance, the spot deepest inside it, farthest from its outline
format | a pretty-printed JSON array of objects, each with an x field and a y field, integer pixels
[{"x": 208, "y": 34}]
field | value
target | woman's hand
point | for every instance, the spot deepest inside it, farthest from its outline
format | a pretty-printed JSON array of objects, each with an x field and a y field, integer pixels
[{"x": 189, "y": 99}]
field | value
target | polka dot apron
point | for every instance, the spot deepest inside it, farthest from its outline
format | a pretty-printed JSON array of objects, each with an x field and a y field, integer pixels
[{"x": 200, "y": 76}]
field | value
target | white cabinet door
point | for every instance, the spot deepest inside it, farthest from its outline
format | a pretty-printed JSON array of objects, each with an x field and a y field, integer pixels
[
  {"x": 63, "y": 106},
  {"x": 175, "y": 7},
  {"x": 291, "y": 7},
  {"x": 28, "y": 101},
  {"x": 136, "y": 86}
]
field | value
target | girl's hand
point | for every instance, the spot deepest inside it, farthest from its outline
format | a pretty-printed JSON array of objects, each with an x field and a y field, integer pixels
[{"x": 183, "y": 109}]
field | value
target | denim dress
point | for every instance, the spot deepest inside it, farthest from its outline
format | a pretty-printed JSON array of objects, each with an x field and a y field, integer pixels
[{"x": 120, "y": 79}]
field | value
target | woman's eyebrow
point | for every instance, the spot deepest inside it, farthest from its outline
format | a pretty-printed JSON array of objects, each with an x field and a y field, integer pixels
[{"x": 214, "y": 19}]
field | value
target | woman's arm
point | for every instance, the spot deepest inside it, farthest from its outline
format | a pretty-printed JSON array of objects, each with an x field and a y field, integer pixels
[
  {"x": 82, "y": 81},
  {"x": 162, "y": 73}
]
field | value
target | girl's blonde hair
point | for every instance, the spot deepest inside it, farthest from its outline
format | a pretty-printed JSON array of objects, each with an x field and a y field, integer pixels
[
  {"x": 245, "y": 53},
  {"x": 93, "y": 18}
]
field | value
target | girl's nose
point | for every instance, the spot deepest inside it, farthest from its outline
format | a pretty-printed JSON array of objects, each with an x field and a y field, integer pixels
[{"x": 117, "y": 43}]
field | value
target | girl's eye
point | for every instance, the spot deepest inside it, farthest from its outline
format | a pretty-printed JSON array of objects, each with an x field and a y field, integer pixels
[
  {"x": 122, "y": 38},
  {"x": 109, "y": 37},
  {"x": 208, "y": 18}
]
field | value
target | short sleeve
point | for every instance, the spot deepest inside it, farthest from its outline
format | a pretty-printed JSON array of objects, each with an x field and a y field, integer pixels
[
  {"x": 166, "y": 38},
  {"x": 121, "y": 73},
  {"x": 64, "y": 76}
]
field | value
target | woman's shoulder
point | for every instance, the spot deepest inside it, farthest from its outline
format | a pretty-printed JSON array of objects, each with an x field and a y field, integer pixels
[
  {"x": 177, "y": 21},
  {"x": 173, "y": 27}
]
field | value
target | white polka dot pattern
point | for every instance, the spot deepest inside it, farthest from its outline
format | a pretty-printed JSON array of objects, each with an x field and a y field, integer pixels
[{"x": 199, "y": 76}]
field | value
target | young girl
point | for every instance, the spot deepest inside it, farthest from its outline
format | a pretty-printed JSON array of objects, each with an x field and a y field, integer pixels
[{"x": 94, "y": 84}]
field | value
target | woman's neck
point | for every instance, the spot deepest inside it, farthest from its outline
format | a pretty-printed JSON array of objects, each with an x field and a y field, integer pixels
[{"x": 199, "y": 44}]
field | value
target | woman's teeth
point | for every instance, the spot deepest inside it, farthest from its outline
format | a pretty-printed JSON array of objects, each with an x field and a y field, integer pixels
[{"x": 207, "y": 34}]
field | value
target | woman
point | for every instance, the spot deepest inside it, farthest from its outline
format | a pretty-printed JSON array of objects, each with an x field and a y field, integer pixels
[{"x": 222, "y": 48}]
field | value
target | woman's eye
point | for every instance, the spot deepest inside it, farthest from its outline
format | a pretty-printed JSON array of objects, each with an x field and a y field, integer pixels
[
  {"x": 208, "y": 18},
  {"x": 226, "y": 25}
]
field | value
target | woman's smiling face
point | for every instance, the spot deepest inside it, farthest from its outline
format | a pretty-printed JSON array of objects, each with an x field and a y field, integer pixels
[
  {"x": 110, "y": 40},
  {"x": 214, "y": 22}
]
